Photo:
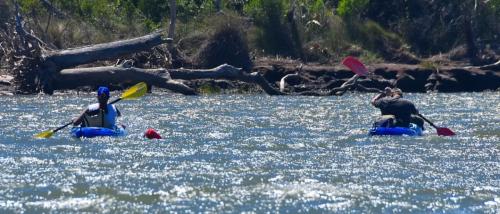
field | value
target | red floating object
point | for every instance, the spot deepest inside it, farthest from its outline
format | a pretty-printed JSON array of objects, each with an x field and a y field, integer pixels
[{"x": 151, "y": 134}]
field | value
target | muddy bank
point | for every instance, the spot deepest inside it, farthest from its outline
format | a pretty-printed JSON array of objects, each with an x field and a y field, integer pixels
[
  {"x": 317, "y": 78},
  {"x": 410, "y": 78}
]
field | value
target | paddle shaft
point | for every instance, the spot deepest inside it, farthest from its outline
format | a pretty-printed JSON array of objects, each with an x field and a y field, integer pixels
[
  {"x": 432, "y": 124},
  {"x": 116, "y": 100},
  {"x": 62, "y": 127}
]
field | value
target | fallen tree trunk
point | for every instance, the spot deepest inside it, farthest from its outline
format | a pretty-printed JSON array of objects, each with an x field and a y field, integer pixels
[
  {"x": 54, "y": 61},
  {"x": 106, "y": 51},
  {"x": 227, "y": 72},
  {"x": 78, "y": 77},
  {"x": 163, "y": 78}
]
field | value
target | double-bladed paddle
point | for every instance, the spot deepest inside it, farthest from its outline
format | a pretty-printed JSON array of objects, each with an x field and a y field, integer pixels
[
  {"x": 359, "y": 69},
  {"x": 136, "y": 91}
]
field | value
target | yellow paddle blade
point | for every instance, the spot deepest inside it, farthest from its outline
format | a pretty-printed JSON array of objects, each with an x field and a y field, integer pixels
[
  {"x": 45, "y": 134},
  {"x": 135, "y": 91}
]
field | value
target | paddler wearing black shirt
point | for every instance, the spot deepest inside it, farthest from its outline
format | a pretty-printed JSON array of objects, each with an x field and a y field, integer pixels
[{"x": 391, "y": 102}]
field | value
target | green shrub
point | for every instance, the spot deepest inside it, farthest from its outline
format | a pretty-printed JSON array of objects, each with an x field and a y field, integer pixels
[
  {"x": 370, "y": 57},
  {"x": 226, "y": 45},
  {"x": 280, "y": 27},
  {"x": 336, "y": 38},
  {"x": 495, "y": 6},
  {"x": 350, "y": 8},
  {"x": 374, "y": 38},
  {"x": 273, "y": 35},
  {"x": 208, "y": 88}
]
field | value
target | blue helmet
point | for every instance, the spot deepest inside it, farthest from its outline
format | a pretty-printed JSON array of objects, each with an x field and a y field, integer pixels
[{"x": 103, "y": 90}]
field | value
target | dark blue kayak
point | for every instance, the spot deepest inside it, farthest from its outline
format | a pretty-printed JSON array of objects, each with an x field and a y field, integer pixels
[
  {"x": 90, "y": 132},
  {"x": 413, "y": 130}
]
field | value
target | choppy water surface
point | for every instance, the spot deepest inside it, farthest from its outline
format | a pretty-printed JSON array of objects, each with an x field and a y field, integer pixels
[{"x": 251, "y": 153}]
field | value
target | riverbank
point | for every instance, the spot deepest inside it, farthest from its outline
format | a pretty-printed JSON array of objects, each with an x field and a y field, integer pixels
[
  {"x": 410, "y": 78},
  {"x": 79, "y": 50},
  {"x": 321, "y": 77}
]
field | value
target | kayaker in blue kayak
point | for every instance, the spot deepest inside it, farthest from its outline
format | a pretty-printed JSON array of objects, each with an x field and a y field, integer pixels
[
  {"x": 396, "y": 111},
  {"x": 99, "y": 114}
]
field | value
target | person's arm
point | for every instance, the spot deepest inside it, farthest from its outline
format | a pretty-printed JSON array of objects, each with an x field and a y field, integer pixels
[
  {"x": 77, "y": 121},
  {"x": 377, "y": 97},
  {"x": 386, "y": 92}
]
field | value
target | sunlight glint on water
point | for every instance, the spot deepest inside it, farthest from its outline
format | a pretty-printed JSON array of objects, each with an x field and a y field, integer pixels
[{"x": 235, "y": 153}]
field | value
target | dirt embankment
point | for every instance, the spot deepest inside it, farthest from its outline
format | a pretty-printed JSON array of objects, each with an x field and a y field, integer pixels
[
  {"x": 311, "y": 77},
  {"x": 410, "y": 78}
]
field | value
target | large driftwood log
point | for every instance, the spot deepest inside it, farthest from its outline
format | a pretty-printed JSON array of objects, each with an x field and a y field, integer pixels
[
  {"x": 78, "y": 56},
  {"x": 55, "y": 61},
  {"x": 227, "y": 72},
  {"x": 163, "y": 78},
  {"x": 78, "y": 77}
]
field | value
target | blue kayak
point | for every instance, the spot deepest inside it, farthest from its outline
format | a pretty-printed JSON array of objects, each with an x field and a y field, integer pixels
[
  {"x": 413, "y": 130},
  {"x": 90, "y": 132}
]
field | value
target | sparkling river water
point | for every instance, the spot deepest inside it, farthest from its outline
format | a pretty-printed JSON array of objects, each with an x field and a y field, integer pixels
[{"x": 251, "y": 153}]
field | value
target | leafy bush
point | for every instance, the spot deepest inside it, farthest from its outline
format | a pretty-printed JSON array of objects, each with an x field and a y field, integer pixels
[
  {"x": 273, "y": 36},
  {"x": 431, "y": 27},
  {"x": 349, "y": 8},
  {"x": 307, "y": 29},
  {"x": 227, "y": 45}
]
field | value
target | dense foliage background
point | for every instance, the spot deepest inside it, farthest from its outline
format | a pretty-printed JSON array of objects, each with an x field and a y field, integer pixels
[{"x": 311, "y": 30}]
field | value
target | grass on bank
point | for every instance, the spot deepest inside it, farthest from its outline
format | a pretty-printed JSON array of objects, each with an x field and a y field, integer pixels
[
  {"x": 311, "y": 35},
  {"x": 309, "y": 30}
]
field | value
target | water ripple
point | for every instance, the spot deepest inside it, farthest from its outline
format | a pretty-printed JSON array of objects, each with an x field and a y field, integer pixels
[{"x": 251, "y": 153}]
